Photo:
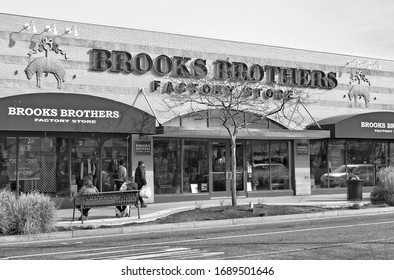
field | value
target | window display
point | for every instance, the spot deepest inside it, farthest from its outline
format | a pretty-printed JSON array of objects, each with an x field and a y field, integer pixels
[
  {"x": 195, "y": 179},
  {"x": 167, "y": 164},
  {"x": 57, "y": 165},
  {"x": 270, "y": 165},
  {"x": 335, "y": 161},
  {"x": 176, "y": 159}
]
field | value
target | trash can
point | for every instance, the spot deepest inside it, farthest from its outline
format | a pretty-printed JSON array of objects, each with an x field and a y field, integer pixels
[{"x": 355, "y": 189}]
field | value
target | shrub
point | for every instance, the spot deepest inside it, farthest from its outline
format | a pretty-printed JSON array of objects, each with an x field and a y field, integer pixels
[
  {"x": 7, "y": 199},
  {"x": 29, "y": 214},
  {"x": 384, "y": 191}
]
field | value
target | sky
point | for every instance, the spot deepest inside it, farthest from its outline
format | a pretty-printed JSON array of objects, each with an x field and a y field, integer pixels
[{"x": 351, "y": 27}]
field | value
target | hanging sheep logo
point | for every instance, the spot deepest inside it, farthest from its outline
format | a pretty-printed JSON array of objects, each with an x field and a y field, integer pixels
[
  {"x": 46, "y": 64},
  {"x": 359, "y": 91}
]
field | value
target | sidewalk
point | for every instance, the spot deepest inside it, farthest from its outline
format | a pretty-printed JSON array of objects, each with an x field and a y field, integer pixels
[
  {"x": 102, "y": 221},
  {"x": 105, "y": 216}
]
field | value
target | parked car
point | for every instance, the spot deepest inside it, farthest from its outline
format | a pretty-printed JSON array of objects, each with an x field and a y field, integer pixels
[
  {"x": 278, "y": 172},
  {"x": 338, "y": 177}
]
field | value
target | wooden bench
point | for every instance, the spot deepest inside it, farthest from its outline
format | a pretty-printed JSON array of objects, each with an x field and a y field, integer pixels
[{"x": 100, "y": 199}]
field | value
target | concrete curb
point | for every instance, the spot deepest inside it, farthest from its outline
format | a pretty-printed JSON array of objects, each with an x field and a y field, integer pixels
[
  {"x": 139, "y": 228},
  {"x": 115, "y": 222},
  {"x": 35, "y": 237}
]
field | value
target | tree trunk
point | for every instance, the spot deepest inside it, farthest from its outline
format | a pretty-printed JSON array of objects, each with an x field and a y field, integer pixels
[{"x": 233, "y": 170}]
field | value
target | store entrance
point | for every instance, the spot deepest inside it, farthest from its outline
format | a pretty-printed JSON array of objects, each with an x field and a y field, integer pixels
[{"x": 221, "y": 169}]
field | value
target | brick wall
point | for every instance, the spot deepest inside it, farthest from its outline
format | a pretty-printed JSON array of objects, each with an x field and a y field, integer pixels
[{"x": 123, "y": 87}]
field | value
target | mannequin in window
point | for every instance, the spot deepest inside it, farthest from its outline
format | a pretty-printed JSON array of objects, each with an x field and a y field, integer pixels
[
  {"x": 88, "y": 167},
  {"x": 63, "y": 172}
]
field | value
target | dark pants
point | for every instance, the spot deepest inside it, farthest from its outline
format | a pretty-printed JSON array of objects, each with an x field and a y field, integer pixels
[
  {"x": 140, "y": 198},
  {"x": 85, "y": 211},
  {"x": 121, "y": 208},
  {"x": 118, "y": 184}
]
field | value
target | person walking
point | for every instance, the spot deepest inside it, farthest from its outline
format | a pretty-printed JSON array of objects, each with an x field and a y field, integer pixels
[
  {"x": 87, "y": 187},
  {"x": 140, "y": 179}
]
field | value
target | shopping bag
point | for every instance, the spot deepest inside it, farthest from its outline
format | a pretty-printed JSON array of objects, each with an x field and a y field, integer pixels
[
  {"x": 145, "y": 192},
  {"x": 123, "y": 188}
]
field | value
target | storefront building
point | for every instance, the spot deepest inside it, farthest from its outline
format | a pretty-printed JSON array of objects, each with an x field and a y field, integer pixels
[
  {"x": 78, "y": 99},
  {"x": 359, "y": 145}
]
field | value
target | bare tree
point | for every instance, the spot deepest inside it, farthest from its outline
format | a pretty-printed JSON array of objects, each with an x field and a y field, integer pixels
[{"x": 235, "y": 103}]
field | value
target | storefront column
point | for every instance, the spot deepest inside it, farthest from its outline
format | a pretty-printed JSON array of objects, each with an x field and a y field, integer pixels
[
  {"x": 302, "y": 167},
  {"x": 142, "y": 151}
]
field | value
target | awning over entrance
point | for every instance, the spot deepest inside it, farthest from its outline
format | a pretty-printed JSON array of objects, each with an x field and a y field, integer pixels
[
  {"x": 63, "y": 112},
  {"x": 376, "y": 125},
  {"x": 221, "y": 133}
]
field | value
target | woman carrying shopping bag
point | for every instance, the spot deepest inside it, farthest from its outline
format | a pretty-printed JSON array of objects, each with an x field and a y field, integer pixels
[{"x": 140, "y": 179}]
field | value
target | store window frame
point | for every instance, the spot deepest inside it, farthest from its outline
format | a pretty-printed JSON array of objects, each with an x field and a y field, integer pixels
[
  {"x": 181, "y": 186},
  {"x": 271, "y": 160},
  {"x": 99, "y": 137},
  {"x": 241, "y": 170},
  {"x": 362, "y": 159}
]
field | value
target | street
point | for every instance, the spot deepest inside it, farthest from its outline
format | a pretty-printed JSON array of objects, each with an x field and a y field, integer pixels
[{"x": 365, "y": 237}]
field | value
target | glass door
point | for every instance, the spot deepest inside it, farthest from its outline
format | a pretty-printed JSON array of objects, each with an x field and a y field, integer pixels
[
  {"x": 240, "y": 169},
  {"x": 221, "y": 169},
  {"x": 220, "y": 164}
]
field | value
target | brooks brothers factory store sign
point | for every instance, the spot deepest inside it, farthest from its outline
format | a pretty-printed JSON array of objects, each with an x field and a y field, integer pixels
[
  {"x": 185, "y": 67},
  {"x": 72, "y": 113},
  {"x": 376, "y": 125}
]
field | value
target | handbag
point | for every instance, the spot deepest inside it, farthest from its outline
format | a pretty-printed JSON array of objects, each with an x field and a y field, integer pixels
[{"x": 145, "y": 192}]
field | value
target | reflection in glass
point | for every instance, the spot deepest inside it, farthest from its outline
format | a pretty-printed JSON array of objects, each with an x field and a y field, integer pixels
[
  {"x": 219, "y": 182},
  {"x": 195, "y": 165},
  {"x": 240, "y": 167},
  {"x": 167, "y": 166},
  {"x": 318, "y": 161},
  {"x": 219, "y": 167},
  {"x": 113, "y": 151},
  {"x": 270, "y": 165}
]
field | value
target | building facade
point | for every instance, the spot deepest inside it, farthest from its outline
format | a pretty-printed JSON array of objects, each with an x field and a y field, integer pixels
[{"x": 78, "y": 98}]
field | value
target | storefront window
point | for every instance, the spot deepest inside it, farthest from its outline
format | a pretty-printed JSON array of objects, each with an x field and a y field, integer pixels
[
  {"x": 195, "y": 166},
  {"x": 279, "y": 168},
  {"x": 335, "y": 154},
  {"x": 36, "y": 164},
  {"x": 318, "y": 161},
  {"x": 4, "y": 176},
  {"x": 63, "y": 167},
  {"x": 167, "y": 166},
  {"x": 33, "y": 159},
  {"x": 391, "y": 153},
  {"x": 260, "y": 166},
  {"x": 270, "y": 166},
  {"x": 333, "y": 162},
  {"x": 84, "y": 161},
  {"x": 113, "y": 151},
  {"x": 364, "y": 158},
  {"x": 57, "y": 165}
]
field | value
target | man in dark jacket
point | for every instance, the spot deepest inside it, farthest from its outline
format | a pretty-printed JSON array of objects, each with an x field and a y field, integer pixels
[{"x": 140, "y": 179}]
